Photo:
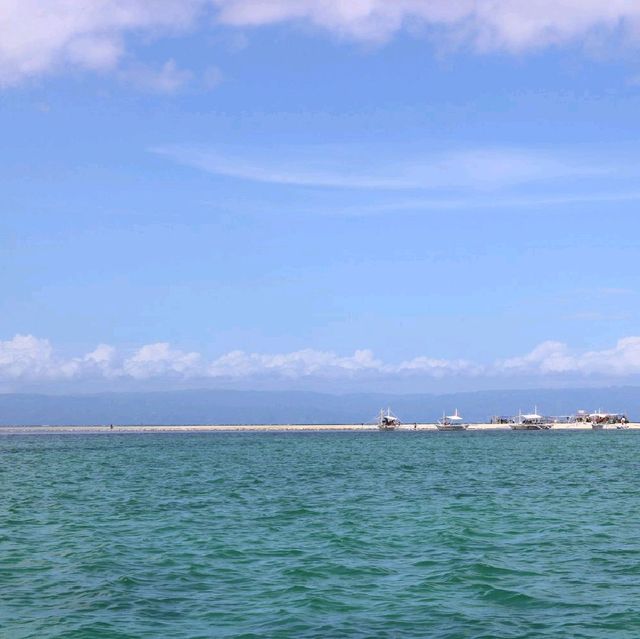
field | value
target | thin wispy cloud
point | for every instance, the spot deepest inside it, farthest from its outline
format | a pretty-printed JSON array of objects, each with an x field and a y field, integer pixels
[
  {"x": 616, "y": 291},
  {"x": 472, "y": 169},
  {"x": 168, "y": 78},
  {"x": 487, "y": 203},
  {"x": 597, "y": 316}
]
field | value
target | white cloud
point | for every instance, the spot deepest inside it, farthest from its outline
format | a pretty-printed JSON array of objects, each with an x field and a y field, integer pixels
[
  {"x": 548, "y": 357},
  {"x": 292, "y": 365},
  {"x": 25, "y": 356},
  {"x": 26, "y": 359},
  {"x": 39, "y": 37},
  {"x": 556, "y": 357},
  {"x": 487, "y": 24},
  {"x": 438, "y": 367},
  {"x": 101, "y": 360},
  {"x": 157, "y": 360}
]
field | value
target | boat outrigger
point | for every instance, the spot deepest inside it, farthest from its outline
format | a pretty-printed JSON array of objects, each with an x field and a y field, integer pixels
[
  {"x": 531, "y": 421},
  {"x": 387, "y": 420},
  {"x": 451, "y": 422}
]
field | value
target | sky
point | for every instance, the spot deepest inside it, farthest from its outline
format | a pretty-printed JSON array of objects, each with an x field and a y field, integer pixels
[{"x": 420, "y": 195}]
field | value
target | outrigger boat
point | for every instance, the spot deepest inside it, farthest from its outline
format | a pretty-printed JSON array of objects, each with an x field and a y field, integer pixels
[
  {"x": 451, "y": 422},
  {"x": 531, "y": 421},
  {"x": 608, "y": 421},
  {"x": 388, "y": 421},
  {"x": 599, "y": 420}
]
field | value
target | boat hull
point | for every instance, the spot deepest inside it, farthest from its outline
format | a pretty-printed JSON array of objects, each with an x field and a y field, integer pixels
[
  {"x": 610, "y": 426},
  {"x": 530, "y": 426}
]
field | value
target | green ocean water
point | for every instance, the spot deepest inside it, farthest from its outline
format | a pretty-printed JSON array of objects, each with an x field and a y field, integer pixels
[{"x": 456, "y": 535}]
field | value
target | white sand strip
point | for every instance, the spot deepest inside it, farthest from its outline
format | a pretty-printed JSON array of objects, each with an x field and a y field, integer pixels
[{"x": 204, "y": 428}]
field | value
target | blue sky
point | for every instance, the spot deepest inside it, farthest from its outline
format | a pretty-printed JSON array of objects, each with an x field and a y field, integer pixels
[{"x": 419, "y": 196}]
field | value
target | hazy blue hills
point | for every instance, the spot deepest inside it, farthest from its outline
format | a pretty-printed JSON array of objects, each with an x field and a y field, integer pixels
[{"x": 282, "y": 407}]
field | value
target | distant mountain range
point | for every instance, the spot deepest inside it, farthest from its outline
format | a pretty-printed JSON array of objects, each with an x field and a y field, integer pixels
[{"x": 284, "y": 407}]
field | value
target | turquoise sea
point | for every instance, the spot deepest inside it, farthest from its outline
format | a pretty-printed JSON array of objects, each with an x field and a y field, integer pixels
[{"x": 431, "y": 535}]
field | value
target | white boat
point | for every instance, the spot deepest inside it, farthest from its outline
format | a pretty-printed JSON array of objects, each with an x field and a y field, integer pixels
[
  {"x": 531, "y": 421},
  {"x": 387, "y": 420},
  {"x": 451, "y": 422}
]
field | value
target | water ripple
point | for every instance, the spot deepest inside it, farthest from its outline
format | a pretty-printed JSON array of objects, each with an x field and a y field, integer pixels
[{"x": 320, "y": 535}]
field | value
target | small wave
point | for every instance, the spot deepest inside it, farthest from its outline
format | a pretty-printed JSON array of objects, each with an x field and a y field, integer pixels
[{"x": 513, "y": 598}]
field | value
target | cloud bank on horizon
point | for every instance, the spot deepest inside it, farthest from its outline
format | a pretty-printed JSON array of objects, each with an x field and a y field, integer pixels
[
  {"x": 39, "y": 38},
  {"x": 26, "y": 358}
]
